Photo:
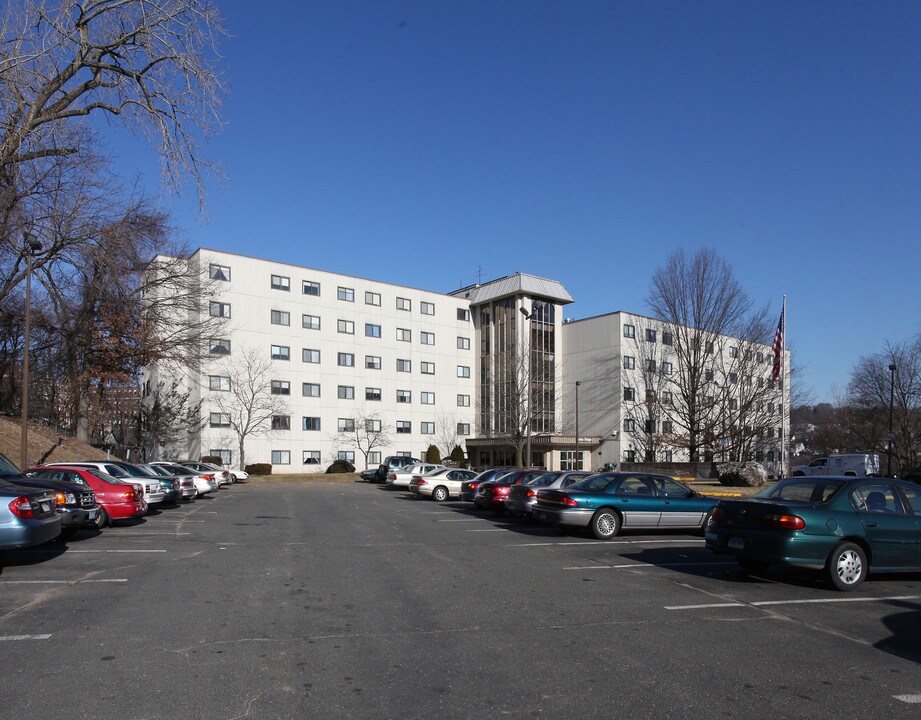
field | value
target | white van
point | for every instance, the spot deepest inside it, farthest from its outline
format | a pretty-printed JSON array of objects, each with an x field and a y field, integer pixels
[{"x": 856, "y": 464}]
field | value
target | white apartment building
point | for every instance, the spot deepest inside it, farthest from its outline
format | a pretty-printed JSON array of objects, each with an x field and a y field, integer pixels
[{"x": 492, "y": 368}]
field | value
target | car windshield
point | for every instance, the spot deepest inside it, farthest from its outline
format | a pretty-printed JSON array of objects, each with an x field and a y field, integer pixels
[
  {"x": 116, "y": 471},
  {"x": 105, "y": 477},
  {"x": 804, "y": 490},
  {"x": 7, "y": 467},
  {"x": 595, "y": 483},
  {"x": 543, "y": 480},
  {"x": 133, "y": 470},
  {"x": 156, "y": 469}
]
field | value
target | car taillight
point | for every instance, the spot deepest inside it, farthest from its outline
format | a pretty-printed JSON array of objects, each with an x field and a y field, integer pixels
[
  {"x": 719, "y": 515},
  {"x": 60, "y": 498},
  {"x": 21, "y": 507},
  {"x": 130, "y": 495},
  {"x": 531, "y": 493},
  {"x": 784, "y": 522},
  {"x": 473, "y": 486},
  {"x": 568, "y": 501},
  {"x": 422, "y": 482},
  {"x": 391, "y": 476}
]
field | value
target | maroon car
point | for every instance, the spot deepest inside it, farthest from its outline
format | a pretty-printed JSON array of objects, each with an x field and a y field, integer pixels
[
  {"x": 491, "y": 495},
  {"x": 117, "y": 499}
]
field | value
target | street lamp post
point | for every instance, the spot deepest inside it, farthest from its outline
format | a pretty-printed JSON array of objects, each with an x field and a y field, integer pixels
[
  {"x": 891, "y": 403},
  {"x": 31, "y": 246},
  {"x": 578, "y": 383}
]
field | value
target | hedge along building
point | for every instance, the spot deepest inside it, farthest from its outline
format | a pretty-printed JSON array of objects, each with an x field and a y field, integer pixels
[{"x": 492, "y": 368}]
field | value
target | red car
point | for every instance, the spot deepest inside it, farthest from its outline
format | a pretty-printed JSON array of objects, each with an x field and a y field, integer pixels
[
  {"x": 117, "y": 500},
  {"x": 492, "y": 495}
]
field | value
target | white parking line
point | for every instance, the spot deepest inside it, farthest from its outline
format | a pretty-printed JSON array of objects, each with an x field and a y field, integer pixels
[
  {"x": 912, "y": 699},
  {"x": 490, "y": 530},
  {"x": 86, "y": 552},
  {"x": 647, "y": 565},
  {"x": 165, "y": 534},
  {"x": 599, "y": 542},
  {"x": 810, "y": 601},
  {"x": 24, "y": 637},
  {"x": 461, "y": 520},
  {"x": 60, "y": 582}
]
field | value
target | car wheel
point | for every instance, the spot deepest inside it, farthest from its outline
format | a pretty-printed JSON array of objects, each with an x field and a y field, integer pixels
[
  {"x": 102, "y": 518},
  {"x": 847, "y": 566},
  {"x": 605, "y": 524},
  {"x": 440, "y": 494},
  {"x": 752, "y": 566}
]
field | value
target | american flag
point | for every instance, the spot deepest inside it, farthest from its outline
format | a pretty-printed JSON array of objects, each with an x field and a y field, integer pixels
[{"x": 778, "y": 344}]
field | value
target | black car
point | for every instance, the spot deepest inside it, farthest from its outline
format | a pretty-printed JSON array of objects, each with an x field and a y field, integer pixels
[{"x": 469, "y": 488}]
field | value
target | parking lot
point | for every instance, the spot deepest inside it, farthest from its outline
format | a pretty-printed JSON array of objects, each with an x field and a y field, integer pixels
[{"x": 282, "y": 600}]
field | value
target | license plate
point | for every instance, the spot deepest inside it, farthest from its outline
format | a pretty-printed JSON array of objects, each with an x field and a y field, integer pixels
[
  {"x": 91, "y": 515},
  {"x": 45, "y": 507},
  {"x": 736, "y": 543}
]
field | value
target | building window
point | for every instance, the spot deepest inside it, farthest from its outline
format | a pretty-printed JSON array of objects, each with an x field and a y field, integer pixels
[
  {"x": 463, "y": 343},
  {"x": 629, "y": 456},
  {"x": 404, "y": 335},
  {"x": 281, "y": 352},
  {"x": 219, "y": 383},
  {"x": 310, "y": 389},
  {"x": 463, "y": 314},
  {"x": 404, "y": 304},
  {"x": 311, "y": 288},
  {"x": 649, "y": 427},
  {"x": 427, "y": 398},
  {"x": 220, "y": 346},
  {"x": 667, "y": 426},
  {"x": 669, "y": 455},
  {"x": 372, "y": 330},
  {"x": 347, "y": 455},
  {"x": 280, "y": 282},
  {"x": 733, "y": 378},
  {"x": 346, "y": 425},
  {"x": 372, "y": 298},
  {"x": 372, "y": 362},
  {"x": 281, "y": 457},
  {"x": 667, "y": 397},
  {"x": 427, "y": 368},
  {"x": 667, "y": 338},
  {"x": 226, "y": 456},
  {"x": 733, "y": 352},
  {"x": 629, "y": 362},
  {"x": 629, "y": 331},
  {"x": 427, "y": 428},
  {"x": 281, "y": 422},
  {"x": 570, "y": 460},
  {"x": 404, "y": 396},
  {"x": 629, "y": 425},
  {"x": 404, "y": 426},
  {"x": 463, "y": 371},
  {"x": 281, "y": 387},
  {"x": 650, "y": 365},
  {"x": 733, "y": 404},
  {"x": 310, "y": 322},
  {"x": 708, "y": 375},
  {"x": 628, "y": 393},
  {"x": 346, "y": 294},
  {"x": 311, "y": 457},
  {"x": 404, "y": 365},
  {"x": 650, "y": 335},
  {"x": 310, "y": 423},
  {"x": 463, "y": 401},
  {"x": 373, "y": 394},
  {"x": 427, "y": 308},
  {"x": 219, "y": 309},
  {"x": 427, "y": 338},
  {"x": 220, "y": 420},
  {"x": 219, "y": 272},
  {"x": 346, "y": 392},
  {"x": 310, "y": 356},
  {"x": 345, "y": 360},
  {"x": 372, "y": 425},
  {"x": 463, "y": 428},
  {"x": 666, "y": 368},
  {"x": 650, "y": 395},
  {"x": 280, "y": 317},
  {"x": 347, "y": 327},
  {"x": 760, "y": 357},
  {"x": 374, "y": 457}
]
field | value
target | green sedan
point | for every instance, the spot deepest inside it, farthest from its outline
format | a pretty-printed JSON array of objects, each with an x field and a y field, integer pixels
[{"x": 842, "y": 526}]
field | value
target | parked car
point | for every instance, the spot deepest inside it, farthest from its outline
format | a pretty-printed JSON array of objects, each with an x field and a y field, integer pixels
[
  {"x": 223, "y": 477},
  {"x": 169, "y": 486},
  {"x": 368, "y": 475},
  {"x": 186, "y": 481},
  {"x": 521, "y": 498},
  {"x": 118, "y": 499},
  {"x": 469, "y": 487},
  {"x": 393, "y": 462},
  {"x": 239, "y": 475},
  {"x": 609, "y": 502},
  {"x": 149, "y": 485},
  {"x": 27, "y": 516},
  {"x": 844, "y": 527},
  {"x": 491, "y": 495},
  {"x": 841, "y": 465},
  {"x": 440, "y": 485},
  {"x": 74, "y": 504},
  {"x": 400, "y": 478},
  {"x": 204, "y": 482}
]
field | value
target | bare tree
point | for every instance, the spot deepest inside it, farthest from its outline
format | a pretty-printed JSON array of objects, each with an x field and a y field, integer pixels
[
  {"x": 168, "y": 416},
  {"x": 706, "y": 313},
  {"x": 245, "y": 397},
  {"x": 366, "y": 433},
  {"x": 446, "y": 436}
]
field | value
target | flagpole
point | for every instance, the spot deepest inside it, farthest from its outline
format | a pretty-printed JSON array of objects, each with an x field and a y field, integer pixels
[{"x": 784, "y": 388}]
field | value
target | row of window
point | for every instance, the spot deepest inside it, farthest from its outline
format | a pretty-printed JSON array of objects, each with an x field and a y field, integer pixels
[
  {"x": 344, "y": 425},
  {"x": 372, "y": 362},
  {"x": 650, "y": 365},
  {"x": 345, "y": 294},
  {"x": 344, "y": 392},
  {"x": 312, "y": 457},
  {"x": 649, "y": 427},
  {"x": 668, "y": 339}
]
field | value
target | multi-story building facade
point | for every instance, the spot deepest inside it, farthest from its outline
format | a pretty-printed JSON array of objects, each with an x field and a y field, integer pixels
[{"x": 492, "y": 368}]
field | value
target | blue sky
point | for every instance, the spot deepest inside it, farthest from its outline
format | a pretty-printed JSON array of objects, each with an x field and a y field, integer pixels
[{"x": 424, "y": 143}]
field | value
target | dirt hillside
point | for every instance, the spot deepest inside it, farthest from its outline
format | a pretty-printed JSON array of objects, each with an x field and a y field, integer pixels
[{"x": 45, "y": 445}]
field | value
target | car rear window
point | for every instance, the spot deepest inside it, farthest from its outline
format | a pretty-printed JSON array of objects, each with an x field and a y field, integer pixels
[
  {"x": 810, "y": 490},
  {"x": 543, "y": 480}
]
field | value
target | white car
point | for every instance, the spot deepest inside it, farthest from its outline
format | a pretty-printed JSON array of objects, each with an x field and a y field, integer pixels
[
  {"x": 441, "y": 485},
  {"x": 239, "y": 475},
  {"x": 400, "y": 477},
  {"x": 204, "y": 483}
]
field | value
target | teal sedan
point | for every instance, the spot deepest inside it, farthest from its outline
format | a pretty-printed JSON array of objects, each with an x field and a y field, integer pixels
[
  {"x": 609, "y": 502},
  {"x": 844, "y": 527}
]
